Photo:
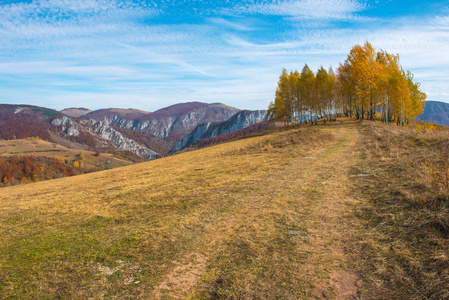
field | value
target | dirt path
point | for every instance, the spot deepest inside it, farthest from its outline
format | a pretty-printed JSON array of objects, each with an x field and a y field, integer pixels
[
  {"x": 306, "y": 208},
  {"x": 330, "y": 220}
]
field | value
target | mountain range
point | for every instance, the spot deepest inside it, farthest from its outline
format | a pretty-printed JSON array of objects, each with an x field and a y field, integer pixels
[
  {"x": 142, "y": 134},
  {"x": 148, "y": 135}
]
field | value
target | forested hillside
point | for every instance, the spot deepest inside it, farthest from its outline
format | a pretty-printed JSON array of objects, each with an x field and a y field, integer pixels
[
  {"x": 18, "y": 122},
  {"x": 26, "y": 169},
  {"x": 32, "y": 160}
]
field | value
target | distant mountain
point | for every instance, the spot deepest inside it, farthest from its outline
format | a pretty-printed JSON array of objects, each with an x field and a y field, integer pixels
[
  {"x": 172, "y": 123},
  {"x": 209, "y": 130},
  {"x": 436, "y": 112},
  {"x": 108, "y": 113},
  {"x": 75, "y": 112},
  {"x": 180, "y": 119},
  {"x": 177, "y": 110},
  {"x": 226, "y": 137},
  {"x": 145, "y": 134},
  {"x": 22, "y": 121},
  {"x": 148, "y": 135}
]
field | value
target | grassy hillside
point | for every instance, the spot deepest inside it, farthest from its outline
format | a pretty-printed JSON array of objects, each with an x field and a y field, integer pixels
[
  {"x": 287, "y": 215},
  {"x": 38, "y": 147},
  {"x": 403, "y": 245},
  {"x": 32, "y": 159}
]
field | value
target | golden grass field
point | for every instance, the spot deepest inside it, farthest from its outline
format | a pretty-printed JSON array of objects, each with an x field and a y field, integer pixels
[
  {"x": 68, "y": 151},
  {"x": 275, "y": 216}
]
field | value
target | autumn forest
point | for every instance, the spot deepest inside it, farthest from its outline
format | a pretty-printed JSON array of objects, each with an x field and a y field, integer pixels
[{"x": 369, "y": 81}]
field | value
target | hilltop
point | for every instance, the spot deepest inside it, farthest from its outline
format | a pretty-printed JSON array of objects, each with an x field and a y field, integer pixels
[
  {"x": 75, "y": 112},
  {"x": 339, "y": 210}
]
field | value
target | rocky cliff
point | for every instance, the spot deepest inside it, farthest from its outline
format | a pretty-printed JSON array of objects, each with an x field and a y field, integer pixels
[
  {"x": 148, "y": 135},
  {"x": 209, "y": 130},
  {"x": 102, "y": 132},
  {"x": 172, "y": 122}
]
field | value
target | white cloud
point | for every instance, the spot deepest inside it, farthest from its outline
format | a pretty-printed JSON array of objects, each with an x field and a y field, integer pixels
[
  {"x": 441, "y": 21},
  {"x": 231, "y": 25},
  {"x": 47, "y": 67},
  {"x": 107, "y": 56},
  {"x": 307, "y": 9},
  {"x": 46, "y": 21}
]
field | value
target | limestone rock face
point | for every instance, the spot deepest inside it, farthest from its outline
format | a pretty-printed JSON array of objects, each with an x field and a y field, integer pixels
[
  {"x": 169, "y": 125},
  {"x": 209, "y": 130},
  {"x": 68, "y": 126},
  {"x": 173, "y": 122},
  {"x": 103, "y": 132},
  {"x": 147, "y": 134},
  {"x": 108, "y": 133}
]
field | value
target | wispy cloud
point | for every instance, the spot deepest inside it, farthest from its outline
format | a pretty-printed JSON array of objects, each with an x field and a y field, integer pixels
[
  {"x": 232, "y": 25},
  {"x": 48, "y": 67},
  {"x": 307, "y": 9},
  {"x": 149, "y": 54},
  {"x": 48, "y": 22}
]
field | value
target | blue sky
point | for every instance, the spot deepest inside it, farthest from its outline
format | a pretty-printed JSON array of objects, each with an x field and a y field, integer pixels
[{"x": 151, "y": 54}]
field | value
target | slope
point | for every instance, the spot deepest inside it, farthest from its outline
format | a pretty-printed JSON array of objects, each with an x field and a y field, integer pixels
[
  {"x": 402, "y": 181},
  {"x": 22, "y": 121},
  {"x": 43, "y": 148},
  {"x": 436, "y": 112},
  {"x": 175, "y": 121},
  {"x": 131, "y": 133},
  {"x": 250, "y": 218},
  {"x": 26, "y": 121},
  {"x": 209, "y": 130},
  {"x": 172, "y": 122}
]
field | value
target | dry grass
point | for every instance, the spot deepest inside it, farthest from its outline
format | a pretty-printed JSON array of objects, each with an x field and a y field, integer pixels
[
  {"x": 288, "y": 243},
  {"x": 403, "y": 251},
  {"x": 71, "y": 151},
  {"x": 333, "y": 211},
  {"x": 127, "y": 232}
]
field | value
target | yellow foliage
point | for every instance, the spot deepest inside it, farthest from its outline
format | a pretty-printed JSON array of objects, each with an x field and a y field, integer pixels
[
  {"x": 60, "y": 158},
  {"x": 439, "y": 175},
  {"x": 80, "y": 156},
  {"x": 368, "y": 81},
  {"x": 425, "y": 126},
  {"x": 35, "y": 138}
]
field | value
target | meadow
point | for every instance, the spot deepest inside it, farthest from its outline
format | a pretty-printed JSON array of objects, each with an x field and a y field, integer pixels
[{"x": 290, "y": 213}]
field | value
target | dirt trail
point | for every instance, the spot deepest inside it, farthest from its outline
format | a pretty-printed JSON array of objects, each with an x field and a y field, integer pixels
[
  {"x": 330, "y": 220},
  {"x": 312, "y": 192}
]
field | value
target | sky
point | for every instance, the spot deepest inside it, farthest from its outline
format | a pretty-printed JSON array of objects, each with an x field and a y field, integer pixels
[{"x": 151, "y": 54}]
